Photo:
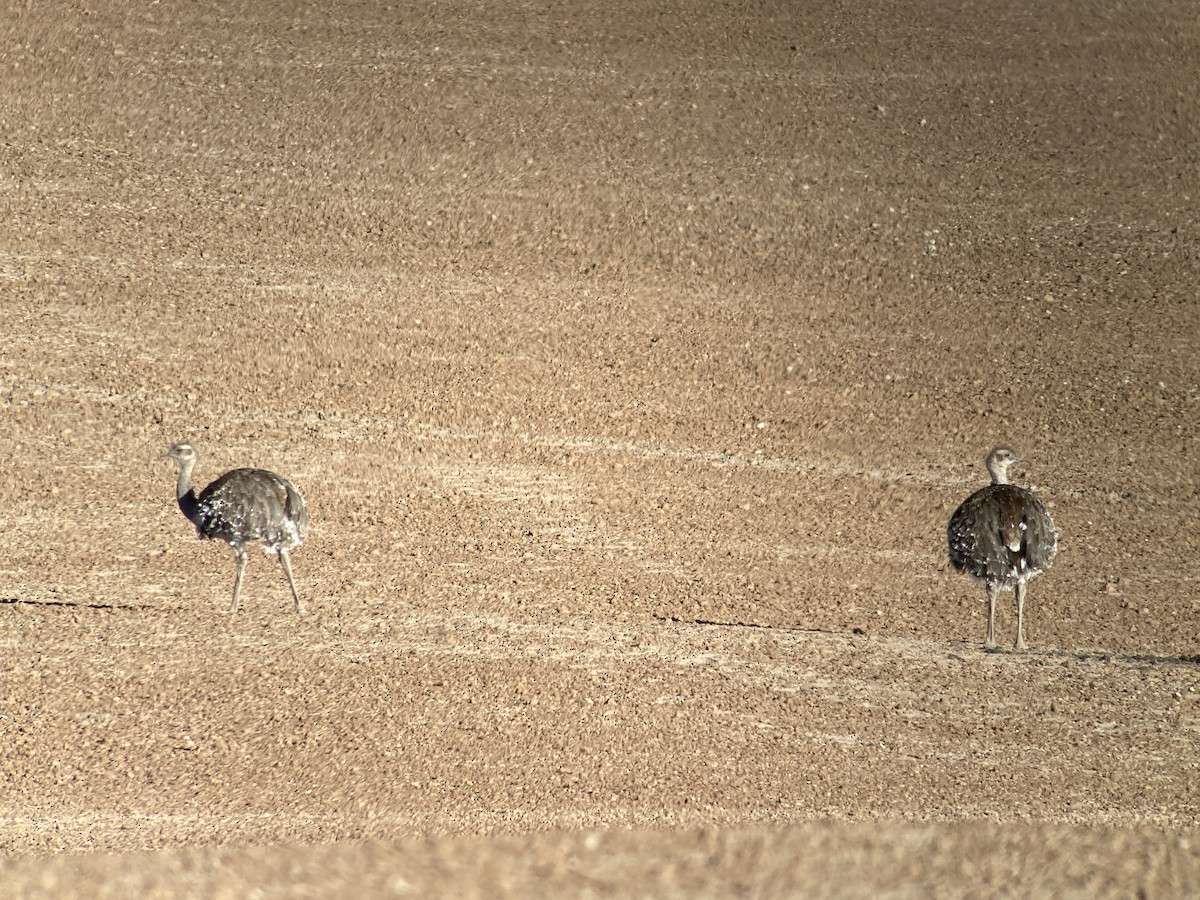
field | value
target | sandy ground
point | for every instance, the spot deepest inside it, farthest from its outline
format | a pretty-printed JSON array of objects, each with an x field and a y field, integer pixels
[{"x": 631, "y": 358}]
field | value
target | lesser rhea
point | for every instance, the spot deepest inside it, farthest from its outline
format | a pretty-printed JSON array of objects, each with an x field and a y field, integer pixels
[
  {"x": 1003, "y": 536},
  {"x": 244, "y": 505}
]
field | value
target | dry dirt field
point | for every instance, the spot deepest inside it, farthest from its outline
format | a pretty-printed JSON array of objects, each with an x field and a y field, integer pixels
[{"x": 631, "y": 357}]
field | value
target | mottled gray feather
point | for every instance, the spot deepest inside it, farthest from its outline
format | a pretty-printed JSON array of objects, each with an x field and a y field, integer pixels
[
  {"x": 1002, "y": 534},
  {"x": 252, "y": 505}
]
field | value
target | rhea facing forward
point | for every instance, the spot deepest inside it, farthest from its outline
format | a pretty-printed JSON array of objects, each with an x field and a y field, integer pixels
[
  {"x": 1003, "y": 536},
  {"x": 241, "y": 506}
]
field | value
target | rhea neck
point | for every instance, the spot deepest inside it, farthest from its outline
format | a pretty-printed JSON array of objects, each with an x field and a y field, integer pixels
[
  {"x": 996, "y": 466},
  {"x": 184, "y": 492}
]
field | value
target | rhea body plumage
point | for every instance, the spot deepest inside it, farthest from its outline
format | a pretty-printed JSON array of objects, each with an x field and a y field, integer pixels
[
  {"x": 242, "y": 506},
  {"x": 1003, "y": 536}
]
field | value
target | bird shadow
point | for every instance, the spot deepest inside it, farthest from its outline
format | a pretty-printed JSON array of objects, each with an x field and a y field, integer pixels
[
  {"x": 1143, "y": 659},
  {"x": 74, "y": 604},
  {"x": 961, "y": 650},
  {"x": 1039, "y": 656}
]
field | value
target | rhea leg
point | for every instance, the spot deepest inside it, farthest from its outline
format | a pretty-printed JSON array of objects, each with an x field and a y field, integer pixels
[
  {"x": 993, "y": 591},
  {"x": 287, "y": 570},
  {"x": 240, "y": 557},
  {"x": 1020, "y": 642}
]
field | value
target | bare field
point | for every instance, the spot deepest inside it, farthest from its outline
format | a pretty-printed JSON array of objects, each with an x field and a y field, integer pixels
[{"x": 631, "y": 359}]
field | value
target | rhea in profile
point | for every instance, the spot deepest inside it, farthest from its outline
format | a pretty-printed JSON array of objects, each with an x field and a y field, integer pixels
[
  {"x": 1003, "y": 536},
  {"x": 244, "y": 505}
]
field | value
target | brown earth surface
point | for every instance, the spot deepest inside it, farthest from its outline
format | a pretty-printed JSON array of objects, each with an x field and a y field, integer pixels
[{"x": 631, "y": 358}]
